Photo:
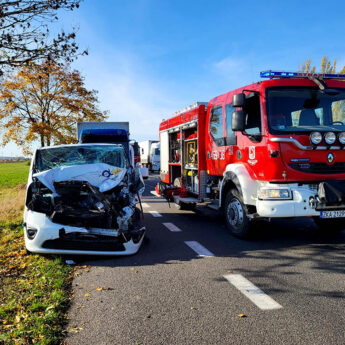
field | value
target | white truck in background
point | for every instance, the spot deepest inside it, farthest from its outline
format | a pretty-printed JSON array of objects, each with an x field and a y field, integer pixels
[{"x": 150, "y": 154}]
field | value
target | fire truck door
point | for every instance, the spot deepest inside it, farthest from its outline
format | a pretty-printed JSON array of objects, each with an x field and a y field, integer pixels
[
  {"x": 216, "y": 143},
  {"x": 230, "y": 136}
]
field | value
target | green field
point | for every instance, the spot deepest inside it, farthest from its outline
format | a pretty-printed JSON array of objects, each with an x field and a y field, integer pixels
[{"x": 12, "y": 174}]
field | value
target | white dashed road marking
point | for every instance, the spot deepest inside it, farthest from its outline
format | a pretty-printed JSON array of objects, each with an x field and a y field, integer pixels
[
  {"x": 153, "y": 192},
  {"x": 155, "y": 214},
  {"x": 172, "y": 227},
  {"x": 257, "y": 296},
  {"x": 198, "y": 248},
  {"x": 144, "y": 204}
]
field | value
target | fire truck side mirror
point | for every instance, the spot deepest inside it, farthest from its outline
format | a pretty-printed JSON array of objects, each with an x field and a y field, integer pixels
[
  {"x": 238, "y": 121},
  {"x": 238, "y": 100}
]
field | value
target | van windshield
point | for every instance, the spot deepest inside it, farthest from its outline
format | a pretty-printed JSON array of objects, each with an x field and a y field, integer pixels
[
  {"x": 55, "y": 157},
  {"x": 304, "y": 110}
]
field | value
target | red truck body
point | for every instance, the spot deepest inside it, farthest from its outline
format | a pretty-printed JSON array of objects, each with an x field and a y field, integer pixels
[{"x": 202, "y": 155}]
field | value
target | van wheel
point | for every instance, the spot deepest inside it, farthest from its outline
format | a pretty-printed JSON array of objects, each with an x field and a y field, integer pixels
[
  {"x": 236, "y": 215},
  {"x": 329, "y": 226}
]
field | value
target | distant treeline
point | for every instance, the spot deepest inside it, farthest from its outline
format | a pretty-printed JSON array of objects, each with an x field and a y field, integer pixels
[{"x": 13, "y": 159}]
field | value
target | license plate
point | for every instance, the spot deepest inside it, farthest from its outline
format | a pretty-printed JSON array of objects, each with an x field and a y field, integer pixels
[{"x": 332, "y": 214}]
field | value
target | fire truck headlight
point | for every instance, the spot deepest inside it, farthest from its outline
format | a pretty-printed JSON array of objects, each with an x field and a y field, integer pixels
[
  {"x": 274, "y": 193},
  {"x": 341, "y": 138},
  {"x": 315, "y": 138},
  {"x": 330, "y": 138}
]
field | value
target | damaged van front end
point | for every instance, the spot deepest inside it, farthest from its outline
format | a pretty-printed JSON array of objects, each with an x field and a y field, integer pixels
[{"x": 82, "y": 199}]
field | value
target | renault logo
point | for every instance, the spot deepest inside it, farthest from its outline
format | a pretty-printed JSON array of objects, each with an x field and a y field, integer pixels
[{"x": 330, "y": 158}]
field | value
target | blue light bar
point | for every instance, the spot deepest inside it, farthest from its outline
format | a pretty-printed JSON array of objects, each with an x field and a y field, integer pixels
[{"x": 275, "y": 74}]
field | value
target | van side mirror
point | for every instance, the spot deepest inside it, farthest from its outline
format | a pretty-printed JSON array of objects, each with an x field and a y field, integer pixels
[
  {"x": 238, "y": 100},
  {"x": 238, "y": 121}
]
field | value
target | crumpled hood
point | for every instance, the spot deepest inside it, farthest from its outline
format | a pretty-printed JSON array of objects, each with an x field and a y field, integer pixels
[{"x": 101, "y": 175}]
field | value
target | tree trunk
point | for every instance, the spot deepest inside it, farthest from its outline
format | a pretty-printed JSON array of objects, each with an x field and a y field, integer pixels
[{"x": 42, "y": 141}]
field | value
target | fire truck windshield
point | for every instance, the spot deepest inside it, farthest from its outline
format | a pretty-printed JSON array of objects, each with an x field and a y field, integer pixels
[{"x": 292, "y": 110}]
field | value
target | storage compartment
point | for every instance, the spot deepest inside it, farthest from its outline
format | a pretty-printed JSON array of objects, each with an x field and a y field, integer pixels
[
  {"x": 191, "y": 180},
  {"x": 175, "y": 175},
  {"x": 181, "y": 133},
  {"x": 175, "y": 147},
  {"x": 190, "y": 160}
]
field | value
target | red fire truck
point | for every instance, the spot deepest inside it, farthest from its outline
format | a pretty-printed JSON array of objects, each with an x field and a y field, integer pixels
[{"x": 275, "y": 148}]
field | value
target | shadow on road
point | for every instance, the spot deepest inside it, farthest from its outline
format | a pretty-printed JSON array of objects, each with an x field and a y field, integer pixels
[{"x": 281, "y": 247}]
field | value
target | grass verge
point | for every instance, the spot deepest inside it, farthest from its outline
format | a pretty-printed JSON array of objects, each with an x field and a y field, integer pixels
[{"x": 35, "y": 289}]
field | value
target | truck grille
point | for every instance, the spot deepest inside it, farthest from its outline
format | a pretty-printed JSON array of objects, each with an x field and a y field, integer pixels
[{"x": 319, "y": 168}]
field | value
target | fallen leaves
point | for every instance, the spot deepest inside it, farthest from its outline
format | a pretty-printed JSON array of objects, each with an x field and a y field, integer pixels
[
  {"x": 99, "y": 288},
  {"x": 87, "y": 294},
  {"x": 75, "y": 329},
  {"x": 50, "y": 307},
  {"x": 241, "y": 315}
]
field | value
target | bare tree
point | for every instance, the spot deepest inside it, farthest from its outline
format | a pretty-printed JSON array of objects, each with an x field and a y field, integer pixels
[{"x": 24, "y": 32}]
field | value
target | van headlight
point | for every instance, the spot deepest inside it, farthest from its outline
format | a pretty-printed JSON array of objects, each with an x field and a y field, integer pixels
[{"x": 274, "y": 193}]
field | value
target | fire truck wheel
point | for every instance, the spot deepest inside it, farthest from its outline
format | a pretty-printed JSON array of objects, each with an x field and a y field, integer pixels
[
  {"x": 329, "y": 226},
  {"x": 236, "y": 215}
]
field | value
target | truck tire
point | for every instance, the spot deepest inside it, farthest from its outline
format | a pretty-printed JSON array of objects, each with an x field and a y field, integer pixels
[
  {"x": 329, "y": 226},
  {"x": 236, "y": 215}
]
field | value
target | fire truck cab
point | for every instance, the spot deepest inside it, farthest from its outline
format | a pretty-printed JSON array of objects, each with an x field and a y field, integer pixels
[{"x": 275, "y": 148}]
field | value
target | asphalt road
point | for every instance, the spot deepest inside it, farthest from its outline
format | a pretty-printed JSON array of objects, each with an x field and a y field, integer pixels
[{"x": 168, "y": 294}]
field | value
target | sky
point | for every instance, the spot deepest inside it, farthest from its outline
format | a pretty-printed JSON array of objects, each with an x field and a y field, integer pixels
[{"x": 150, "y": 58}]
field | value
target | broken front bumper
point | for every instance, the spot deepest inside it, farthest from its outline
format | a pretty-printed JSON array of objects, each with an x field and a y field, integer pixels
[{"x": 43, "y": 236}]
